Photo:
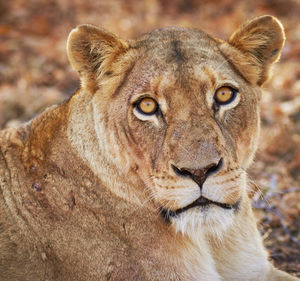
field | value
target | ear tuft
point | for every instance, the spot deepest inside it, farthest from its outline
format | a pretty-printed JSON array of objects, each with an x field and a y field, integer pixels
[
  {"x": 256, "y": 44},
  {"x": 90, "y": 49}
]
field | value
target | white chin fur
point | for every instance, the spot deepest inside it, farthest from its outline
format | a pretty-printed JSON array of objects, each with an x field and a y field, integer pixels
[{"x": 211, "y": 220}]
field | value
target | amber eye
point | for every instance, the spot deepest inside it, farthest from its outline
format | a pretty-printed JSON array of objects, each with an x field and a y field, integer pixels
[
  {"x": 147, "y": 106},
  {"x": 225, "y": 95}
]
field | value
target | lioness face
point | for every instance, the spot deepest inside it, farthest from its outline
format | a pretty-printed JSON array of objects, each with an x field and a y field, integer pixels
[
  {"x": 177, "y": 111},
  {"x": 190, "y": 121}
]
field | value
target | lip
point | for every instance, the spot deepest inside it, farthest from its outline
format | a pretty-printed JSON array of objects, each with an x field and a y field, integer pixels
[{"x": 200, "y": 202}]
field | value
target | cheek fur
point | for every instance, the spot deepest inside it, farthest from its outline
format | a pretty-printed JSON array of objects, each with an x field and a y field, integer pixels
[
  {"x": 147, "y": 138},
  {"x": 243, "y": 125}
]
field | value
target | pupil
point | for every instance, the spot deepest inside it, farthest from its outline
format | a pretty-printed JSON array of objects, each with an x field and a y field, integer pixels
[
  {"x": 225, "y": 94},
  {"x": 147, "y": 106}
]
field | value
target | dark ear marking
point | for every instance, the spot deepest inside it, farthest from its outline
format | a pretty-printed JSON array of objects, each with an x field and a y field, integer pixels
[
  {"x": 108, "y": 73},
  {"x": 275, "y": 52}
]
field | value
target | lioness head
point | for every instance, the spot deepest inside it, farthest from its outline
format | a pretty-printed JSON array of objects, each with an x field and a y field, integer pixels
[{"x": 175, "y": 115}]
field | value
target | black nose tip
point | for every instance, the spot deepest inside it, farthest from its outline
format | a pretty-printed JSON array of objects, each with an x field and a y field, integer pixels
[{"x": 199, "y": 175}]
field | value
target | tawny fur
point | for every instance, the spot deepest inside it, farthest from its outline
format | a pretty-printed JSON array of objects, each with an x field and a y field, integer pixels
[{"x": 82, "y": 184}]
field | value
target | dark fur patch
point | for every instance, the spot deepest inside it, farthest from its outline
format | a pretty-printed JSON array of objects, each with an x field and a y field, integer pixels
[{"x": 177, "y": 54}]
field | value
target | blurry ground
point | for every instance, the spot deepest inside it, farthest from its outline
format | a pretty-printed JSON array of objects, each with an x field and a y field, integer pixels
[{"x": 35, "y": 73}]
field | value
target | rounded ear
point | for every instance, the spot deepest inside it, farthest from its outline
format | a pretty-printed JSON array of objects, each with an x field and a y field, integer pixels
[
  {"x": 254, "y": 47},
  {"x": 91, "y": 50}
]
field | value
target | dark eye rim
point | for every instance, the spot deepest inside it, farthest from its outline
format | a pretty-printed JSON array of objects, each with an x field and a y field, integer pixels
[
  {"x": 234, "y": 94},
  {"x": 137, "y": 106}
]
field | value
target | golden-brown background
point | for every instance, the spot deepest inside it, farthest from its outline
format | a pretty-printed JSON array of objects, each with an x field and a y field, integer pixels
[{"x": 34, "y": 73}]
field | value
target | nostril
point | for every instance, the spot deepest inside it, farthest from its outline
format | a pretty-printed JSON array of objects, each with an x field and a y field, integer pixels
[
  {"x": 199, "y": 175},
  {"x": 215, "y": 168},
  {"x": 181, "y": 172}
]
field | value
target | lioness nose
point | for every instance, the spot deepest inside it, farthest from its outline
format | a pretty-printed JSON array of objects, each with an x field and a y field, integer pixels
[{"x": 199, "y": 175}]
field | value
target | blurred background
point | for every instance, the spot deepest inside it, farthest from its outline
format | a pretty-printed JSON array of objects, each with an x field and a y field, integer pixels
[{"x": 35, "y": 73}]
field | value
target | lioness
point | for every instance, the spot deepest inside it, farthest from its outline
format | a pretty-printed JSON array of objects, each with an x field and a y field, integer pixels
[{"x": 141, "y": 174}]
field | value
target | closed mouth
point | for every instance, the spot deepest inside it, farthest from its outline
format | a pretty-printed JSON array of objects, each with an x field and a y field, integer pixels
[{"x": 200, "y": 202}]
